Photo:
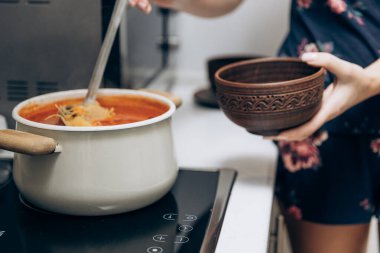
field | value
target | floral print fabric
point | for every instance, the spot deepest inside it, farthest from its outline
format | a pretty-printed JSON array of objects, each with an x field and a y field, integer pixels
[
  {"x": 298, "y": 155},
  {"x": 353, "y": 10},
  {"x": 337, "y": 6},
  {"x": 349, "y": 29},
  {"x": 334, "y": 178},
  {"x": 330, "y": 179},
  {"x": 375, "y": 146}
]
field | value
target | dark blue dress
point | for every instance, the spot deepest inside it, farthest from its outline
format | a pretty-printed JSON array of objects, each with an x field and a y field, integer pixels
[
  {"x": 349, "y": 30},
  {"x": 333, "y": 177}
]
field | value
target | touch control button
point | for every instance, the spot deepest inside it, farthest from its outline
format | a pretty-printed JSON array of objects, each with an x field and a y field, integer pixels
[
  {"x": 154, "y": 249},
  {"x": 181, "y": 239},
  {"x": 185, "y": 228},
  {"x": 160, "y": 238},
  {"x": 190, "y": 217},
  {"x": 170, "y": 216}
]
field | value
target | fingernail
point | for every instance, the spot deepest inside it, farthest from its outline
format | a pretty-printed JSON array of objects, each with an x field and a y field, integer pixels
[
  {"x": 132, "y": 3},
  {"x": 142, "y": 5},
  {"x": 309, "y": 56}
]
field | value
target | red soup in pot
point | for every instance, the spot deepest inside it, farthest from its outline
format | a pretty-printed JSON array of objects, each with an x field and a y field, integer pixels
[{"x": 126, "y": 109}]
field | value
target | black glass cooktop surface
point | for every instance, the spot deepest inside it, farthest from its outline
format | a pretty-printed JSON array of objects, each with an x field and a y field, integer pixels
[{"x": 187, "y": 219}]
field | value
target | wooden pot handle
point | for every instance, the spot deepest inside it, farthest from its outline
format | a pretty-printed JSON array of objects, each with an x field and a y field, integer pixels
[
  {"x": 174, "y": 98},
  {"x": 26, "y": 143}
]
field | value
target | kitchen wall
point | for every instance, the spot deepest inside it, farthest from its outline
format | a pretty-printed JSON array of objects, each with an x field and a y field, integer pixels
[{"x": 256, "y": 26}]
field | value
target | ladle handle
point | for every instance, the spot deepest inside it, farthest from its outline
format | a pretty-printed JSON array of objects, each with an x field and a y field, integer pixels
[
  {"x": 105, "y": 50},
  {"x": 26, "y": 143}
]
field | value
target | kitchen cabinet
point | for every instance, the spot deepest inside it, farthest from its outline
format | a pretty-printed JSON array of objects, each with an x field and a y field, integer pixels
[{"x": 278, "y": 237}]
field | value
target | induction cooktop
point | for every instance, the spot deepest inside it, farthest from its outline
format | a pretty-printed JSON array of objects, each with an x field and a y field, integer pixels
[{"x": 186, "y": 220}]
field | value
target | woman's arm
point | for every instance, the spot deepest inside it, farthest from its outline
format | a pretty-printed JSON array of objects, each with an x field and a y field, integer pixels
[
  {"x": 353, "y": 85},
  {"x": 202, "y": 8}
]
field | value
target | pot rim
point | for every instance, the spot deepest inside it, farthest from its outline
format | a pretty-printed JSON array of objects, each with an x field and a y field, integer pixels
[
  {"x": 81, "y": 93},
  {"x": 319, "y": 72}
]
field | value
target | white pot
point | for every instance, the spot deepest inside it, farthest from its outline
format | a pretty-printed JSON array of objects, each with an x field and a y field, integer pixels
[{"x": 97, "y": 170}]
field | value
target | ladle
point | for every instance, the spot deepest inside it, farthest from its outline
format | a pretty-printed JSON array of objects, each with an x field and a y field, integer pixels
[
  {"x": 105, "y": 50},
  {"x": 89, "y": 111}
]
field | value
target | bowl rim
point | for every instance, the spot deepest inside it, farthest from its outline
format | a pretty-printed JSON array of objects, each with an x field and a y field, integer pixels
[
  {"x": 224, "y": 57},
  {"x": 218, "y": 79}
]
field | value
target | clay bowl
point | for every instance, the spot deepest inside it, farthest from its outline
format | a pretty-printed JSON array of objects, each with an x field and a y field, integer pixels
[{"x": 269, "y": 95}]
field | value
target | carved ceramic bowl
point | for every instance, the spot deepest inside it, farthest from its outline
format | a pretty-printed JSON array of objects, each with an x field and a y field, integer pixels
[{"x": 268, "y": 95}]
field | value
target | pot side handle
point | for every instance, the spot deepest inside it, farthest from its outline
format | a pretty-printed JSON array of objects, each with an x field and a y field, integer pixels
[
  {"x": 174, "y": 98},
  {"x": 26, "y": 143}
]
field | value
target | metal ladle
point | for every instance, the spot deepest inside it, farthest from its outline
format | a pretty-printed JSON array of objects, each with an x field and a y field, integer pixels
[
  {"x": 105, "y": 50},
  {"x": 88, "y": 112}
]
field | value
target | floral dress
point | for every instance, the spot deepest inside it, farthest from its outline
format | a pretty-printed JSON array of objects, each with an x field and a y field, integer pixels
[{"x": 333, "y": 177}]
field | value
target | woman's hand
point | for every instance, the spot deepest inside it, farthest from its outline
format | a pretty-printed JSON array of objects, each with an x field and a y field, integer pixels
[
  {"x": 142, "y": 5},
  {"x": 352, "y": 85},
  {"x": 202, "y": 8}
]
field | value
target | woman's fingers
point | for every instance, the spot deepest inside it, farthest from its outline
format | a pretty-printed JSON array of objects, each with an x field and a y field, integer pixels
[
  {"x": 132, "y": 3},
  {"x": 303, "y": 131},
  {"x": 338, "y": 67},
  {"x": 307, "y": 129},
  {"x": 349, "y": 88},
  {"x": 143, "y": 5}
]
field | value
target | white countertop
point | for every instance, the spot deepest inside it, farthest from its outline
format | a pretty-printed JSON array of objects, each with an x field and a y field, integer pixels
[{"x": 205, "y": 138}]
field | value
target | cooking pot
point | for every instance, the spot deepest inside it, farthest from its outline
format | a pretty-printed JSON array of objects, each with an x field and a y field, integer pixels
[{"x": 96, "y": 170}]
